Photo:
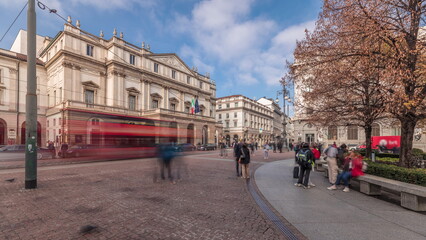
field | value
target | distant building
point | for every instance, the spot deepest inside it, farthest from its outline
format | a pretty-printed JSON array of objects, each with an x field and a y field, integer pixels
[
  {"x": 80, "y": 71},
  {"x": 278, "y": 122},
  {"x": 245, "y": 118}
]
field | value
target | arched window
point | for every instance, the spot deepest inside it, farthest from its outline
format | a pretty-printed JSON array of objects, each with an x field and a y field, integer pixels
[
  {"x": 352, "y": 133},
  {"x": 332, "y": 133},
  {"x": 375, "y": 129},
  {"x": 396, "y": 129}
]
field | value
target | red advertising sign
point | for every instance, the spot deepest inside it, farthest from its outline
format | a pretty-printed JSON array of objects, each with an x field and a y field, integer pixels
[{"x": 388, "y": 142}]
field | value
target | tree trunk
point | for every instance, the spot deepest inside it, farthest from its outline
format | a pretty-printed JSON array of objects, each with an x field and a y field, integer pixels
[
  {"x": 368, "y": 130},
  {"x": 407, "y": 133}
]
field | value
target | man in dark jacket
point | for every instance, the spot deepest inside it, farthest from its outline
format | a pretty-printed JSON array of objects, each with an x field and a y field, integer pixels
[
  {"x": 305, "y": 159},
  {"x": 341, "y": 153},
  {"x": 237, "y": 154}
]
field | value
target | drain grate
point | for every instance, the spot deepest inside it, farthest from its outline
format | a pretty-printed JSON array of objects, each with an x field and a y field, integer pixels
[{"x": 271, "y": 215}]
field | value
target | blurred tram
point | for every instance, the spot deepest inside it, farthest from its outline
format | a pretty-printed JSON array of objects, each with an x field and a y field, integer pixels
[{"x": 115, "y": 136}]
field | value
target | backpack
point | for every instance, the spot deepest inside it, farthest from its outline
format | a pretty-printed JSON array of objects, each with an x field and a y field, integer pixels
[{"x": 302, "y": 156}]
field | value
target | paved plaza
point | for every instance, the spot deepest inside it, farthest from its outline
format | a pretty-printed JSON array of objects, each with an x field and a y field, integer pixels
[{"x": 120, "y": 200}]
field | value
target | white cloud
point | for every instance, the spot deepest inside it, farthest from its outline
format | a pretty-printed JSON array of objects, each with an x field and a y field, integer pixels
[
  {"x": 189, "y": 52},
  {"x": 115, "y": 4},
  {"x": 253, "y": 49}
]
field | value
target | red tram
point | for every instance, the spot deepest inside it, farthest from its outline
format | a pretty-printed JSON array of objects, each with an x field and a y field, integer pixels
[{"x": 115, "y": 136}]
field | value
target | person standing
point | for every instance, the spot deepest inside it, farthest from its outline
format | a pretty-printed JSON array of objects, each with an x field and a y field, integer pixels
[
  {"x": 245, "y": 161},
  {"x": 266, "y": 148},
  {"x": 305, "y": 159},
  {"x": 280, "y": 146},
  {"x": 52, "y": 149},
  {"x": 331, "y": 153},
  {"x": 222, "y": 149},
  {"x": 342, "y": 151},
  {"x": 237, "y": 154},
  {"x": 251, "y": 145}
]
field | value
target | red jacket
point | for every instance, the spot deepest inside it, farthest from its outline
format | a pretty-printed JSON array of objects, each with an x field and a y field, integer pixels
[
  {"x": 317, "y": 154},
  {"x": 357, "y": 167}
]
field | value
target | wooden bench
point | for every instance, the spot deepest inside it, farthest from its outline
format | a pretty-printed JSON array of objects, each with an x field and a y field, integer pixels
[{"x": 412, "y": 196}]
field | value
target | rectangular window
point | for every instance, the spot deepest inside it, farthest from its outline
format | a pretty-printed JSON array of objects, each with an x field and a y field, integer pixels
[
  {"x": 89, "y": 97},
  {"x": 352, "y": 133},
  {"x": 54, "y": 122},
  {"x": 187, "y": 109},
  {"x": 220, "y": 106},
  {"x": 60, "y": 94},
  {"x": 236, "y": 104},
  {"x": 227, "y": 124},
  {"x": 235, "y": 114},
  {"x": 188, "y": 79},
  {"x": 211, "y": 113},
  {"x": 154, "y": 104},
  {"x": 89, "y": 50},
  {"x": 227, "y": 115},
  {"x": 235, "y": 124},
  {"x": 47, "y": 123},
  {"x": 132, "y": 59},
  {"x": 228, "y": 105},
  {"x": 1, "y": 96},
  {"x": 156, "y": 67},
  {"x": 132, "y": 102},
  {"x": 220, "y": 116},
  {"x": 173, "y": 106},
  {"x": 173, "y": 74},
  {"x": 201, "y": 85}
]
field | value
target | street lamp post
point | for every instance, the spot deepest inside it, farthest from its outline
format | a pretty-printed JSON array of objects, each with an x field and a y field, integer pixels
[{"x": 285, "y": 96}]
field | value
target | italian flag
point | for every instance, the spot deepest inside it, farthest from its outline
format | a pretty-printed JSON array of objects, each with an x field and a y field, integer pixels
[{"x": 193, "y": 106}]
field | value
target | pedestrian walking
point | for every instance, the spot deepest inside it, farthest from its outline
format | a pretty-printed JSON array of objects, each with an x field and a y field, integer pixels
[
  {"x": 166, "y": 155},
  {"x": 245, "y": 161},
  {"x": 52, "y": 149}
]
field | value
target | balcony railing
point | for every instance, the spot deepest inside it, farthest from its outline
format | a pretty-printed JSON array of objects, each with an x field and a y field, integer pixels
[{"x": 126, "y": 111}]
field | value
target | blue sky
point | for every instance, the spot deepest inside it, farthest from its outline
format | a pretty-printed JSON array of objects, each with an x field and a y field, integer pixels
[{"x": 243, "y": 44}]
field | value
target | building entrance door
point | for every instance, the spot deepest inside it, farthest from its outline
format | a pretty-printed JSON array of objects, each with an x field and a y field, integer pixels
[{"x": 309, "y": 138}]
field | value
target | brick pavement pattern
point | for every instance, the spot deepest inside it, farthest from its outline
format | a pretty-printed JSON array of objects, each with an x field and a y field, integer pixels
[{"x": 121, "y": 201}]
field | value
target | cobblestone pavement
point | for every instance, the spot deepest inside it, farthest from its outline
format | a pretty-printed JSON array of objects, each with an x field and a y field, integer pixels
[{"x": 119, "y": 200}]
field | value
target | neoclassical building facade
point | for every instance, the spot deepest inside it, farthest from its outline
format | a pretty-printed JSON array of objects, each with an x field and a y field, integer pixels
[
  {"x": 79, "y": 71},
  {"x": 245, "y": 118}
]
